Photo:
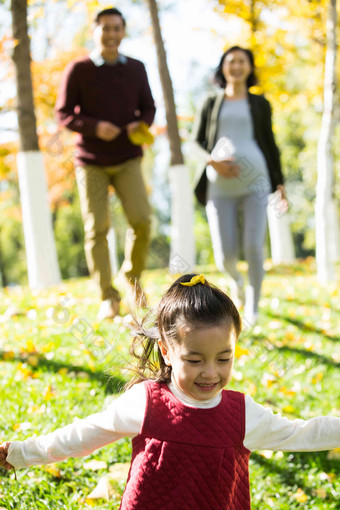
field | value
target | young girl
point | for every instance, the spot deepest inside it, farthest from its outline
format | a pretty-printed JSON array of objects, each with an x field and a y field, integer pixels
[{"x": 191, "y": 438}]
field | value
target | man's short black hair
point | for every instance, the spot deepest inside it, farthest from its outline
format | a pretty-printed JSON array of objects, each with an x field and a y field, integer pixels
[{"x": 109, "y": 12}]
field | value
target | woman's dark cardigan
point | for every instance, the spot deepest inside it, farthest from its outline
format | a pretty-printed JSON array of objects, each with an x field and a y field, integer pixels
[{"x": 205, "y": 133}]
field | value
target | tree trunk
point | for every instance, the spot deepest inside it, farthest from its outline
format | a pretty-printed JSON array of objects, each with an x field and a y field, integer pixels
[
  {"x": 182, "y": 251},
  {"x": 42, "y": 263},
  {"x": 21, "y": 58},
  {"x": 280, "y": 235},
  {"x": 325, "y": 210},
  {"x": 169, "y": 101}
]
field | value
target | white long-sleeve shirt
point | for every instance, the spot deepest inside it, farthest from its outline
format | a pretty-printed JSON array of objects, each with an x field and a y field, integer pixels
[{"x": 124, "y": 418}]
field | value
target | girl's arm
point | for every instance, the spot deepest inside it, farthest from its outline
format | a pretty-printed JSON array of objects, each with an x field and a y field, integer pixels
[
  {"x": 123, "y": 418},
  {"x": 268, "y": 431}
]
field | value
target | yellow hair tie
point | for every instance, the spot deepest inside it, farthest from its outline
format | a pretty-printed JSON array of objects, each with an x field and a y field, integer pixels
[{"x": 199, "y": 278}]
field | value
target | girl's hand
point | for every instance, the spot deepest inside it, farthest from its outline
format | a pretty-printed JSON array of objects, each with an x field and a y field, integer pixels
[
  {"x": 226, "y": 168},
  {"x": 3, "y": 455}
]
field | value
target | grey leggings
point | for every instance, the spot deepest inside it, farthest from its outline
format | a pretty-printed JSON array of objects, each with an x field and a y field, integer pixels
[{"x": 222, "y": 215}]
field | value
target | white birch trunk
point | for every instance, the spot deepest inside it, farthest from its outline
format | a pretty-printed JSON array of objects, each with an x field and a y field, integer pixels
[
  {"x": 42, "y": 262},
  {"x": 182, "y": 250},
  {"x": 281, "y": 239},
  {"x": 324, "y": 204}
]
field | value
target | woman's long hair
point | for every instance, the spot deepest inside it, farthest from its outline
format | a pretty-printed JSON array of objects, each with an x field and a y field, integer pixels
[
  {"x": 200, "y": 305},
  {"x": 219, "y": 78}
]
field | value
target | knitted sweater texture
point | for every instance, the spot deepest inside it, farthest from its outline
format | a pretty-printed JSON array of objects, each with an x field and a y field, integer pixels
[{"x": 188, "y": 458}]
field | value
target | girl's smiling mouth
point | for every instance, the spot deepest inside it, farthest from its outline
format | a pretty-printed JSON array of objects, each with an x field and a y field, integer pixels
[{"x": 206, "y": 387}]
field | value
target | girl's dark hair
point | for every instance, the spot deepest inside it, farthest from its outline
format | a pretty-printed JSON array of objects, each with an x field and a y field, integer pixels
[
  {"x": 200, "y": 305},
  {"x": 219, "y": 78},
  {"x": 112, "y": 11}
]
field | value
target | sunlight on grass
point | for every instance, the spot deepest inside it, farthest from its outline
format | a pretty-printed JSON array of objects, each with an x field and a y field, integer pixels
[{"x": 57, "y": 364}]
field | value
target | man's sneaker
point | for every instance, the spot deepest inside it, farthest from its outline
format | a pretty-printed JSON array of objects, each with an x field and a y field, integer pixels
[{"x": 108, "y": 309}]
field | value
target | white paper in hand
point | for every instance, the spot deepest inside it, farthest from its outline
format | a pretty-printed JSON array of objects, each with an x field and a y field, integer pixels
[{"x": 224, "y": 149}]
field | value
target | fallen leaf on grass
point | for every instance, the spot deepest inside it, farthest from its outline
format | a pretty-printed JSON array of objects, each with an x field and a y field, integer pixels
[
  {"x": 33, "y": 360},
  {"x": 95, "y": 465},
  {"x": 239, "y": 351},
  {"x": 289, "y": 409},
  {"x": 288, "y": 392},
  {"x": 274, "y": 324},
  {"x": 49, "y": 393},
  {"x": 267, "y": 454},
  {"x": 268, "y": 380},
  {"x": 53, "y": 470},
  {"x": 334, "y": 454},
  {"x": 300, "y": 496},
  {"x": 26, "y": 425},
  {"x": 119, "y": 471},
  {"x": 251, "y": 389},
  {"x": 8, "y": 355},
  {"x": 30, "y": 347},
  {"x": 31, "y": 314},
  {"x": 321, "y": 493},
  {"x": 317, "y": 378},
  {"x": 102, "y": 490},
  {"x": 62, "y": 371},
  {"x": 13, "y": 311},
  {"x": 106, "y": 486}
]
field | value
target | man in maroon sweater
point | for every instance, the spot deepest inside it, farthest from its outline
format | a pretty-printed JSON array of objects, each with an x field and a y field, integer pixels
[{"x": 104, "y": 97}]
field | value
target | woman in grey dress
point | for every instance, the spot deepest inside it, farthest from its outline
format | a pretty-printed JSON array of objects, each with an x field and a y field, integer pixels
[{"x": 233, "y": 131}]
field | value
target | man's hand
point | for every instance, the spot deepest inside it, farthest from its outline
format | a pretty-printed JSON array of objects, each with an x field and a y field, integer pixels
[
  {"x": 107, "y": 131},
  {"x": 226, "y": 168},
  {"x": 132, "y": 126},
  {"x": 3, "y": 454}
]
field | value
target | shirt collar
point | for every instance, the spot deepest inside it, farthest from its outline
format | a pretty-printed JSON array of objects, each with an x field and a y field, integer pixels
[{"x": 98, "y": 60}]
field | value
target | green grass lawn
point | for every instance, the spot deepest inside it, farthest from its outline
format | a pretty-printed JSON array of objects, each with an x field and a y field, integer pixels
[{"x": 57, "y": 363}]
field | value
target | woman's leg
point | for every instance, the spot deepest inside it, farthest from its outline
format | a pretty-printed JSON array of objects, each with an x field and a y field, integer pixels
[
  {"x": 222, "y": 213},
  {"x": 254, "y": 231}
]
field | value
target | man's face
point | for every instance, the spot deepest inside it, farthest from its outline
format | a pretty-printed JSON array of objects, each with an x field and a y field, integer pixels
[{"x": 108, "y": 35}]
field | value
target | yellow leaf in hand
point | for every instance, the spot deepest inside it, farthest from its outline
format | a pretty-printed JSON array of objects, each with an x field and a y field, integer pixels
[{"x": 141, "y": 135}]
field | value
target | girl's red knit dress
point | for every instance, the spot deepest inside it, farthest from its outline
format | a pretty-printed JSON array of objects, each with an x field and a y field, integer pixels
[{"x": 188, "y": 458}]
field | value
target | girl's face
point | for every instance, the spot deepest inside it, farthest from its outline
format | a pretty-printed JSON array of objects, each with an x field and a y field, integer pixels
[
  {"x": 236, "y": 67},
  {"x": 202, "y": 359}
]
